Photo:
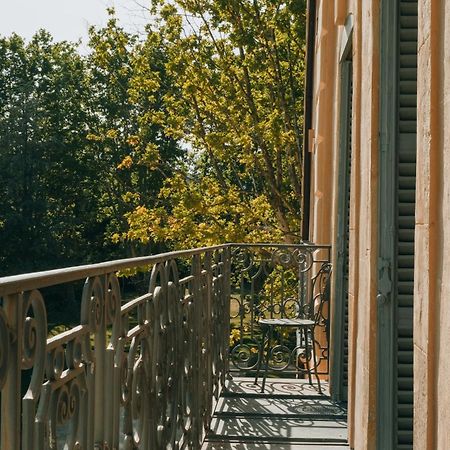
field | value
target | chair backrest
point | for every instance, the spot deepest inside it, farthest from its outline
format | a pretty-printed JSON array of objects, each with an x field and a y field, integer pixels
[
  {"x": 319, "y": 294},
  {"x": 314, "y": 293}
]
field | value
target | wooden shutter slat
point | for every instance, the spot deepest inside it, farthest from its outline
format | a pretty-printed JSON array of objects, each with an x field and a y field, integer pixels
[{"x": 406, "y": 197}]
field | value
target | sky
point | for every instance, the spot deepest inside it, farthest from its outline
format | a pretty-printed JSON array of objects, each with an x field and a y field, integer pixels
[{"x": 66, "y": 19}]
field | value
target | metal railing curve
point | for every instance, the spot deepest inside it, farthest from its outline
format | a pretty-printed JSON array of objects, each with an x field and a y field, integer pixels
[
  {"x": 139, "y": 373},
  {"x": 145, "y": 371}
]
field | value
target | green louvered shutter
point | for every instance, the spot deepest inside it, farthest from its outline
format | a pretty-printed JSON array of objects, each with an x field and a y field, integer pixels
[
  {"x": 397, "y": 184},
  {"x": 339, "y": 378},
  {"x": 406, "y": 190},
  {"x": 347, "y": 240}
]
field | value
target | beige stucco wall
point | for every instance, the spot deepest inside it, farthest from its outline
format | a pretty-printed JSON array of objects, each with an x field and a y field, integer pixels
[
  {"x": 364, "y": 225},
  {"x": 432, "y": 265},
  {"x": 363, "y": 221},
  {"x": 432, "y": 256},
  {"x": 322, "y": 151}
]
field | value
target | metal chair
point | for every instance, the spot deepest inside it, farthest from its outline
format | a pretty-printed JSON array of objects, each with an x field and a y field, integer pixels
[{"x": 309, "y": 316}]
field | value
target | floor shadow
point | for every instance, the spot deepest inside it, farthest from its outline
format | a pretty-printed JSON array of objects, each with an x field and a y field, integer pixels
[{"x": 289, "y": 415}]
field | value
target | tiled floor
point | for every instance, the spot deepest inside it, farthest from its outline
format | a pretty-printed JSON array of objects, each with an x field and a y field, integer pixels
[{"x": 289, "y": 415}]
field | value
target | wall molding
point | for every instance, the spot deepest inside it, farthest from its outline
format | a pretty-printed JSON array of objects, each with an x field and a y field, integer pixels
[{"x": 346, "y": 38}]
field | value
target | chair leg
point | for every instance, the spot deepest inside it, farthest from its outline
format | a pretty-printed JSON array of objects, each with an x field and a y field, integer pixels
[
  {"x": 305, "y": 335},
  {"x": 266, "y": 368},
  {"x": 260, "y": 354},
  {"x": 314, "y": 360}
]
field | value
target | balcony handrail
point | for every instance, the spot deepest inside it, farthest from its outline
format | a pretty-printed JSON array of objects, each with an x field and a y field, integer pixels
[
  {"x": 304, "y": 245},
  {"x": 38, "y": 280},
  {"x": 133, "y": 373},
  {"x": 137, "y": 372}
]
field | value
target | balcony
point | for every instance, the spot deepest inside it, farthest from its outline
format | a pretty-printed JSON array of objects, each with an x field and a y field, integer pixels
[{"x": 170, "y": 366}]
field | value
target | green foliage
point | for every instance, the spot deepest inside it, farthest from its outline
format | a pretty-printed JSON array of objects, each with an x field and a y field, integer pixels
[
  {"x": 237, "y": 103},
  {"x": 46, "y": 200},
  {"x": 127, "y": 79},
  {"x": 187, "y": 136},
  {"x": 79, "y": 146}
]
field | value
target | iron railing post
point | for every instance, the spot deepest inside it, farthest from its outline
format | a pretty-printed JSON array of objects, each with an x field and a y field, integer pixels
[{"x": 11, "y": 392}]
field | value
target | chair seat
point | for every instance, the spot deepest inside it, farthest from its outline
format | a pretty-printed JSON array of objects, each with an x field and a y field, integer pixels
[{"x": 287, "y": 322}]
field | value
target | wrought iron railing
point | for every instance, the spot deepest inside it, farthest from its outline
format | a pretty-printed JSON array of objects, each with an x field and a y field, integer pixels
[
  {"x": 145, "y": 371},
  {"x": 279, "y": 281},
  {"x": 142, "y": 373}
]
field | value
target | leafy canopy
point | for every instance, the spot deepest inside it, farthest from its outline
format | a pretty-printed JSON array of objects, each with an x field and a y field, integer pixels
[
  {"x": 189, "y": 135},
  {"x": 236, "y": 104}
]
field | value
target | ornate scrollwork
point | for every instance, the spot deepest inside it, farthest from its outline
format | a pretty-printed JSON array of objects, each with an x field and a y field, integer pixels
[
  {"x": 92, "y": 312},
  {"x": 34, "y": 329},
  {"x": 55, "y": 363},
  {"x": 243, "y": 259},
  {"x": 305, "y": 260},
  {"x": 284, "y": 257},
  {"x": 137, "y": 374},
  {"x": 137, "y": 413},
  {"x": 245, "y": 356},
  {"x": 283, "y": 282},
  {"x": 112, "y": 300},
  {"x": 165, "y": 338},
  {"x": 291, "y": 308},
  {"x": 280, "y": 357},
  {"x": 74, "y": 353},
  {"x": 34, "y": 340},
  {"x": 65, "y": 408}
]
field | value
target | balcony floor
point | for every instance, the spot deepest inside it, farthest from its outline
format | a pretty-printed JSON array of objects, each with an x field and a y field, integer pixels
[{"x": 289, "y": 415}]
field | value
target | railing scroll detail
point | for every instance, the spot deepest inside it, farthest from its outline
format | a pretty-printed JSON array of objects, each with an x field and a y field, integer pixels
[
  {"x": 279, "y": 281},
  {"x": 145, "y": 371},
  {"x": 141, "y": 373}
]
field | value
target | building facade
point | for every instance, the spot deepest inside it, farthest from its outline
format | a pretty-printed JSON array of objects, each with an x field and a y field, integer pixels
[{"x": 377, "y": 186}]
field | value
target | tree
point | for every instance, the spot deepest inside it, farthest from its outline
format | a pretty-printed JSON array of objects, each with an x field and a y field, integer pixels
[
  {"x": 80, "y": 146},
  {"x": 46, "y": 204},
  {"x": 237, "y": 103},
  {"x": 188, "y": 136},
  {"x": 128, "y": 81}
]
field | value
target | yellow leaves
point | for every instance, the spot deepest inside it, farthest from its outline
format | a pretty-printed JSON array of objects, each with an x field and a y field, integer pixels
[
  {"x": 246, "y": 142},
  {"x": 203, "y": 212},
  {"x": 143, "y": 85},
  {"x": 235, "y": 111},
  {"x": 174, "y": 185},
  {"x": 141, "y": 210},
  {"x": 115, "y": 238},
  {"x": 131, "y": 197},
  {"x": 151, "y": 157},
  {"x": 126, "y": 163},
  {"x": 155, "y": 117},
  {"x": 138, "y": 222},
  {"x": 235, "y": 335},
  {"x": 133, "y": 140},
  {"x": 215, "y": 139},
  {"x": 173, "y": 21},
  {"x": 111, "y": 134},
  {"x": 150, "y": 84},
  {"x": 168, "y": 10},
  {"x": 94, "y": 137}
]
